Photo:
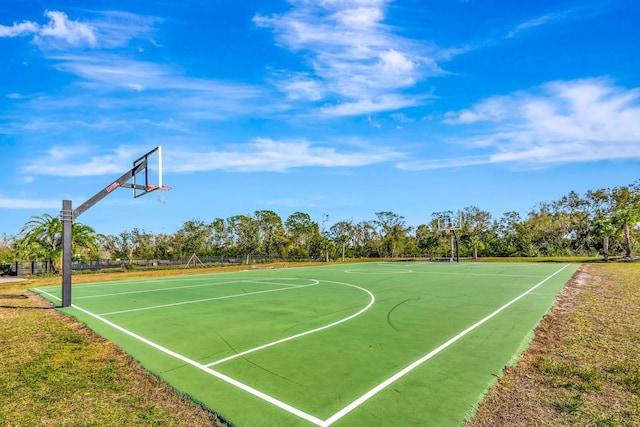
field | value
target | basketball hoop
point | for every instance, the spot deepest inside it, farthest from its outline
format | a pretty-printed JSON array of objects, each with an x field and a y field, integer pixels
[
  {"x": 449, "y": 223},
  {"x": 137, "y": 178}
]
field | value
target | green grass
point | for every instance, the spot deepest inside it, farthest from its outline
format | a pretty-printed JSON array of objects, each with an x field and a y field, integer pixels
[{"x": 418, "y": 307}]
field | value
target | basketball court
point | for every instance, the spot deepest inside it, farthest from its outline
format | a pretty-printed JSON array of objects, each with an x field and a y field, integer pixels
[{"x": 408, "y": 343}]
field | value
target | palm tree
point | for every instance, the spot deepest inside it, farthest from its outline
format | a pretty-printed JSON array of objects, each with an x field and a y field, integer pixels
[
  {"x": 624, "y": 218},
  {"x": 42, "y": 236},
  {"x": 475, "y": 243},
  {"x": 84, "y": 238},
  {"x": 626, "y": 211},
  {"x": 604, "y": 228}
]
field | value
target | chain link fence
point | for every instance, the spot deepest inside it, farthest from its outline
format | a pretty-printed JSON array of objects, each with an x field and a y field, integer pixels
[{"x": 28, "y": 268}]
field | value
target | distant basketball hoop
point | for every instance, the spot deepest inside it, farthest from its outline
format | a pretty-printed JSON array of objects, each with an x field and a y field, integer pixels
[
  {"x": 452, "y": 224},
  {"x": 449, "y": 223}
]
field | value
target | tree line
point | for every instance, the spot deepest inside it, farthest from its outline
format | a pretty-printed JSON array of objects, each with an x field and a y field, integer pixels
[{"x": 602, "y": 222}]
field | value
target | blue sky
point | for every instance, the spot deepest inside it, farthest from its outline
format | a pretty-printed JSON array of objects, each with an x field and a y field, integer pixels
[{"x": 330, "y": 107}]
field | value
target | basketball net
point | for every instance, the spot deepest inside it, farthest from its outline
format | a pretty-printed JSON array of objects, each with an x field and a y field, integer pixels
[{"x": 162, "y": 193}]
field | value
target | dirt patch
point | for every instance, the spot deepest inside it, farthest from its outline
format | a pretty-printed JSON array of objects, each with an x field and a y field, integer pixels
[{"x": 10, "y": 279}]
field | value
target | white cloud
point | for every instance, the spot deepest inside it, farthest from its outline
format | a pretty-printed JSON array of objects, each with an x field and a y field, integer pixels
[
  {"x": 128, "y": 89},
  {"x": 402, "y": 118},
  {"x": 261, "y": 154},
  {"x": 116, "y": 28},
  {"x": 264, "y": 154},
  {"x": 464, "y": 116},
  {"x": 396, "y": 69},
  {"x": 354, "y": 58},
  {"x": 110, "y": 71},
  {"x": 365, "y": 106},
  {"x": 301, "y": 86},
  {"x": 13, "y": 203},
  {"x": 108, "y": 29},
  {"x": 536, "y": 22},
  {"x": 122, "y": 86},
  {"x": 560, "y": 122},
  {"x": 18, "y": 30},
  {"x": 73, "y": 161},
  {"x": 455, "y": 162},
  {"x": 73, "y": 32},
  {"x": 359, "y": 17},
  {"x": 59, "y": 29}
]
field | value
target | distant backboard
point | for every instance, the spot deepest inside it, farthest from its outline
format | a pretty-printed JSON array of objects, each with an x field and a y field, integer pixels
[
  {"x": 147, "y": 175},
  {"x": 449, "y": 222}
]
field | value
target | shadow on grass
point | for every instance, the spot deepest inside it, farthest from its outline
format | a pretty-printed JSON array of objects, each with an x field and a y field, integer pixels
[
  {"x": 26, "y": 307},
  {"x": 21, "y": 297}
]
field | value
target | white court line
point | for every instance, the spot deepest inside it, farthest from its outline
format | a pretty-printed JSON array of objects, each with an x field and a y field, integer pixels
[
  {"x": 180, "y": 278},
  {"x": 123, "y": 282},
  {"x": 271, "y": 344},
  {"x": 175, "y": 304},
  {"x": 451, "y": 273},
  {"x": 267, "y": 282},
  {"x": 385, "y": 272},
  {"x": 154, "y": 290},
  {"x": 457, "y": 273},
  {"x": 173, "y": 288},
  {"x": 461, "y": 273},
  {"x": 347, "y": 409},
  {"x": 47, "y": 293}
]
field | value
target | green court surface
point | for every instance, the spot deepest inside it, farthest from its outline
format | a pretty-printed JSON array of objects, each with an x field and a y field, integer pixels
[{"x": 401, "y": 343}]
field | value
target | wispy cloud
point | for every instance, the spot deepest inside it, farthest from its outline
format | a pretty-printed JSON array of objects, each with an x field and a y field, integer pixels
[
  {"x": 107, "y": 29},
  {"x": 355, "y": 60},
  {"x": 133, "y": 95},
  {"x": 130, "y": 85},
  {"x": 538, "y": 22},
  {"x": 264, "y": 154},
  {"x": 557, "y": 123},
  {"x": 21, "y": 203},
  {"x": 258, "y": 155},
  {"x": 382, "y": 103},
  {"x": 453, "y": 162},
  {"x": 117, "y": 28},
  {"x": 75, "y": 161},
  {"x": 113, "y": 72}
]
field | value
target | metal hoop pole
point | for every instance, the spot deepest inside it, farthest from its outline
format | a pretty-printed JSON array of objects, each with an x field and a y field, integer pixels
[{"x": 66, "y": 215}]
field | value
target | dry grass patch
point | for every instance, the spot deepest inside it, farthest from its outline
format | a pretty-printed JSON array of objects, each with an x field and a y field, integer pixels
[
  {"x": 582, "y": 368},
  {"x": 55, "y": 372}
]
